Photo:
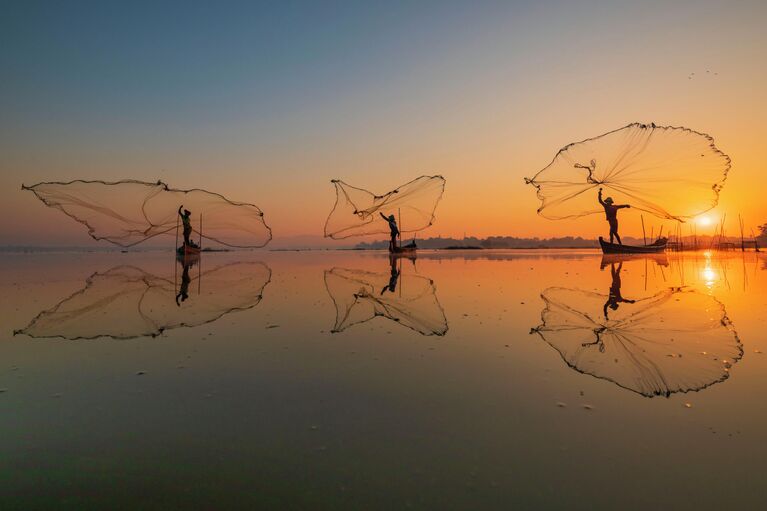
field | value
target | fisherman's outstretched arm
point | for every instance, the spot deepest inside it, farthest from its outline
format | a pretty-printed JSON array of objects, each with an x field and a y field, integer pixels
[
  {"x": 600, "y": 197},
  {"x": 383, "y": 216}
]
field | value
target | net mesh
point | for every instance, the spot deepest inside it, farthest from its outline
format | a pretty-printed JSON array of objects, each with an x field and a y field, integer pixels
[
  {"x": 357, "y": 211},
  {"x": 671, "y": 172},
  {"x": 127, "y": 302},
  {"x": 129, "y": 212},
  {"x": 409, "y": 300},
  {"x": 677, "y": 340}
]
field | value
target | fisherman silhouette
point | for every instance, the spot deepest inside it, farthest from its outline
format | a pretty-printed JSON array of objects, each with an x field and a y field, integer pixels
[
  {"x": 393, "y": 276},
  {"x": 183, "y": 292},
  {"x": 186, "y": 219},
  {"x": 394, "y": 231},
  {"x": 615, "y": 298},
  {"x": 611, "y": 214}
]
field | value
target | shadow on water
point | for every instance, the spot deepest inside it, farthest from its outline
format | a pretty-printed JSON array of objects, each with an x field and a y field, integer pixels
[
  {"x": 406, "y": 298},
  {"x": 127, "y": 302},
  {"x": 677, "y": 340}
]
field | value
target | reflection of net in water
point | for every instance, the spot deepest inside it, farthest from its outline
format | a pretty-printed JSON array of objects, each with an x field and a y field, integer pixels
[
  {"x": 360, "y": 296},
  {"x": 128, "y": 212},
  {"x": 357, "y": 211},
  {"x": 671, "y": 172},
  {"x": 678, "y": 340},
  {"x": 126, "y": 302}
]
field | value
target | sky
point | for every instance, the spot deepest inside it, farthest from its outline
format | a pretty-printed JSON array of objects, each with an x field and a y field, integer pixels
[{"x": 266, "y": 102}]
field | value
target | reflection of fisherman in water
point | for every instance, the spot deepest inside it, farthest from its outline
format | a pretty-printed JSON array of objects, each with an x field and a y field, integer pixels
[
  {"x": 183, "y": 292},
  {"x": 394, "y": 231},
  {"x": 611, "y": 214},
  {"x": 393, "y": 276},
  {"x": 615, "y": 298}
]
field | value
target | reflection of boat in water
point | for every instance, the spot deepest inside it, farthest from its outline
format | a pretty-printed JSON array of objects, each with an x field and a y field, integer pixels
[
  {"x": 661, "y": 259},
  {"x": 615, "y": 248},
  {"x": 409, "y": 300},
  {"x": 677, "y": 340},
  {"x": 127, "y": 302},
  {"x": 187, "y": 262}
]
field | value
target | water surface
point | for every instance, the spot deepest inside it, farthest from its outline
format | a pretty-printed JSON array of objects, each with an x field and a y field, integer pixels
[{"x": 340, "y": 380}]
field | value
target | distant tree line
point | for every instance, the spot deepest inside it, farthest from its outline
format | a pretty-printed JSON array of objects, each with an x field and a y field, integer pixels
[{"x": 496, "y": 242}]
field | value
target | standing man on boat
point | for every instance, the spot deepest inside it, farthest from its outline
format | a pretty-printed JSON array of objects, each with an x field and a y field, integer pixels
[
  {"x": 186, "y": 219},
  {"x": 394, "y": 231},
  {"x": 611, "y": 214}
]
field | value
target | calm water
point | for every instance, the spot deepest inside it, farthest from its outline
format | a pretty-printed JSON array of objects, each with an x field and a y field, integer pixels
[{"x": 336, "y": 380}]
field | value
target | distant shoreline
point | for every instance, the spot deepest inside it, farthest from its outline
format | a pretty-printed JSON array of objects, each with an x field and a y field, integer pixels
[{"x": 109, "y": 250}]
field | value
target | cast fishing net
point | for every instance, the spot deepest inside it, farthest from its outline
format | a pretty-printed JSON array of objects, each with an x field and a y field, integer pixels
[
  {"x": 671, "y": 172},
  {"x": 357, "y": 211},
  {"x": 129, "y": 212}
]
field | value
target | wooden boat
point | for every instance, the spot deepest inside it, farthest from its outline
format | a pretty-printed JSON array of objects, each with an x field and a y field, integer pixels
[
  {"x": 615, "y": 248},
  {"x": 405, "y": 250},
  {"x": 186, "y": 251}
]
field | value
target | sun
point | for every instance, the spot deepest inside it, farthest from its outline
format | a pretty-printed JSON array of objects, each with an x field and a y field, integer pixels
[{"x": 704, "y": 220}]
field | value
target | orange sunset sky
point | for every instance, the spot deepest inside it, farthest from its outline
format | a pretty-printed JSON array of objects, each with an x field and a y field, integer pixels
[{"x": 267, "y": 104}]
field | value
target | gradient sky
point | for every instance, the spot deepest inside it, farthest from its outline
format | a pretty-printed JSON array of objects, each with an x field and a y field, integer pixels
[{"x": 267, "y": 102}]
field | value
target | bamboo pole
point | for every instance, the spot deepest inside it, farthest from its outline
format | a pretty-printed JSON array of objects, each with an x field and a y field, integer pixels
[
  {"x": 742, "y": 238},
  {"x": 399, "y": 221},
  {"x": 695, "y": 236},
  {"x": 643, "y": 232},
  {"x": 175, "y": 266},
  {"x": 722, "y": 235},
  {"x": 681, "y": 237},
  {"x": 645, "y": 274},
  {"x": 199, "y": 262},
  {"x": 745, "y": 275}
]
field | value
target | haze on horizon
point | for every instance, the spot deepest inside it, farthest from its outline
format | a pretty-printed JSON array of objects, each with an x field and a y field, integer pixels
[{"x": 267, "y": 103}]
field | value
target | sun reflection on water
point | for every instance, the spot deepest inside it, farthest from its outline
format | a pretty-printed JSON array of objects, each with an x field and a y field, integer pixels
[{"x": 708, "y": 274}]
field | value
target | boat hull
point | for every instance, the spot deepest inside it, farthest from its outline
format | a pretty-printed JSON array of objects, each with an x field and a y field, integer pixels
[
  {"x": 409, "y": 250},
  {"x": 186, "y": 251},
  {"x": 615, "y": 248}
]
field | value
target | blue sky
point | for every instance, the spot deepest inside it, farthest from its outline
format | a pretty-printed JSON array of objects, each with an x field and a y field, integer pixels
[{"x": 265, "y": 102}]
